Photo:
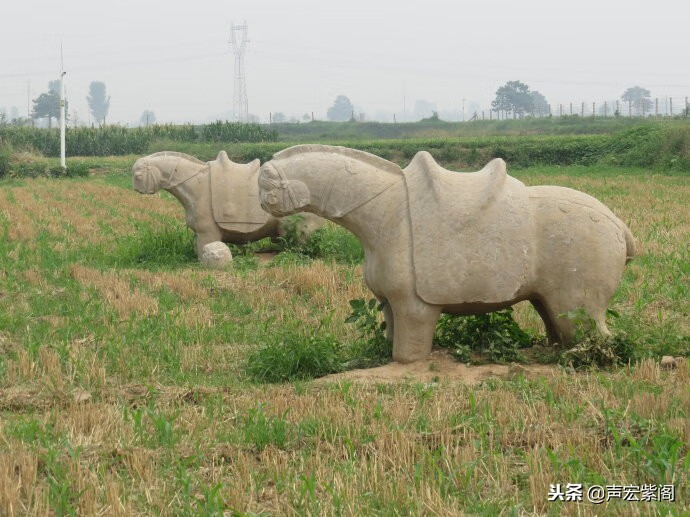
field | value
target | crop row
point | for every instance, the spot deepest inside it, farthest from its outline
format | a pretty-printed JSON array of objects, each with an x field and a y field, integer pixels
[
  {"x": 664, "y": 147},
  {"x": 119, "y": 140}
]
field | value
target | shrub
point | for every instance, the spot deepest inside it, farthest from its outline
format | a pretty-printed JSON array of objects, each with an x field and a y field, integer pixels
[
  {"x": 5, "y": 158},
  {"x": 496, "y": 335},
  {"x": 372, "y": 348},
  {"x": 590, "y": 349}
]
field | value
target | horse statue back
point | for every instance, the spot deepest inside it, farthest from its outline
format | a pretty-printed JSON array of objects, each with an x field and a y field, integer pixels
[
  {"x": 235, "y": 195},
  {"x": 468, "y": 219}
]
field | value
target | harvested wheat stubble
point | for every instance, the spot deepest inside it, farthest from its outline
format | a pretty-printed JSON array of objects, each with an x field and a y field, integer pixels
[{"x": 116, "y": 291}]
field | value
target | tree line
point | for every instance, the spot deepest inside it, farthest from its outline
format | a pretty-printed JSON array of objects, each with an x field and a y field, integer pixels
[{"x": 514, "y": 97}]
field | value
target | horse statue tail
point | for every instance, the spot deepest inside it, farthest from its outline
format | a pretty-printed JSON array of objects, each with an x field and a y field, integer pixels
[{"x": 630, "y": 249}]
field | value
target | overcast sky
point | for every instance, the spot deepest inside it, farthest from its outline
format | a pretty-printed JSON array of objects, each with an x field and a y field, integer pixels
[{"x": 174, "y": 57}]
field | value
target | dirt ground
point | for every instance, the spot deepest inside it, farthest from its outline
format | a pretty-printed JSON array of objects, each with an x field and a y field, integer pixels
[{"x": 440, "y": 366}]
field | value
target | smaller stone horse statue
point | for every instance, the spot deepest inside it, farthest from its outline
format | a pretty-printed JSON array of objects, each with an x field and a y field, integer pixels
[{"x": 220, "y": 197}]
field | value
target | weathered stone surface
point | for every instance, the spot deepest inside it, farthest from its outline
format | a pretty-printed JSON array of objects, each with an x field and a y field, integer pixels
[
  {"x": 216, "y": 255},
  {"x": 668, "y": 362},
  {"x": 460, "y": 243},
  {"x": 220, "y": 197}
]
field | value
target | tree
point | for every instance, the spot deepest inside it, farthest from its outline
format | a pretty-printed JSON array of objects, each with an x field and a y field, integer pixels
[
  {"x": 639, "y": 98},
  {"x": 306, "y": 117},
  {"x": 341, "y": 110},
  {"x": 540, "y": 107},
  {"x": 48, "y": 103},
  {"x": 513, "y": 96},
  {"x": 147, "y": 117},
  {"x": 279, "y": 117},
  {"x": 99, "y": 104}
]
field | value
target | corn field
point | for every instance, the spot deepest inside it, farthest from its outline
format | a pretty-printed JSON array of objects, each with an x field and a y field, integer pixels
[{"x": 120, "y": 140}]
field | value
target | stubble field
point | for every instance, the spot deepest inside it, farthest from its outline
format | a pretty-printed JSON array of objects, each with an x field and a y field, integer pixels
[{"x": 123, "y": 384}]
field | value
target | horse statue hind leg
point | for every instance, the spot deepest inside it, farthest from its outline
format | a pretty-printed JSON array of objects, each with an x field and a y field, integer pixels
[{"x": 582, "y": 251}]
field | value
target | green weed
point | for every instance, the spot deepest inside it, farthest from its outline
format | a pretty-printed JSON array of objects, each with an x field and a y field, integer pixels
[
  {"x": 372, "y": 348},
  {"x": 329, "y": 242},
  {"x": 591, "y": 349},
  {"x": 295, "y": 354},
  {"x": 149, "y": 248},
  {"x": 495, "y": 335},
  {"x": 260, "y": 430}
]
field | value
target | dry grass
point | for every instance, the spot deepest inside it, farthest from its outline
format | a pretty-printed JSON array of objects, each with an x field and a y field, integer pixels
[
  {"x": 359, "y": 438},
  {"x": 122, "y": 389},
  {"x": 116, "y": 291},
  {"x": 186, "y": 285}
]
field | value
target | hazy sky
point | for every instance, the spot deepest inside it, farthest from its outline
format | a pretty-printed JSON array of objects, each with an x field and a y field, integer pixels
[{"x": 174, "y": 57}]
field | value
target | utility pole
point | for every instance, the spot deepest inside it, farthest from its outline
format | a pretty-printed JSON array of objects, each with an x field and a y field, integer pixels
[
  {"x": 62, "y": 111},
  {"x": 463, "y": 110},
  {"x": 238, "y": 42}
]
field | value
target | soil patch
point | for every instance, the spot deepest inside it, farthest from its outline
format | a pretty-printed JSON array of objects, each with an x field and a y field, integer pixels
[{"x": 441, "y": 366}]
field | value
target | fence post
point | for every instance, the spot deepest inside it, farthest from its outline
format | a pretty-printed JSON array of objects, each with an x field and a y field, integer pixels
[
  {"x": 686, "y": 106},
  {"x": 593, "y": 109},
  {"x": 270, "y": 118},
  {"x": 549, "y": 110},
  {"x": 583, "y": 110},
  {"x": 571, "y": 109},
  {"x": 656, "y": 106},
  {"x": 605, "y": 108},
  {"x": 560, "y": 110},
  {"x": 618, "y": 108},
  {"x": 670, "y": 101},
  {"x": 482, "y": 114}
]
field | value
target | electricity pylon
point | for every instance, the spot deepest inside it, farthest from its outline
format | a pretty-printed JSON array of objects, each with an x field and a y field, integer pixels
[{"x": 238, "y": 41}]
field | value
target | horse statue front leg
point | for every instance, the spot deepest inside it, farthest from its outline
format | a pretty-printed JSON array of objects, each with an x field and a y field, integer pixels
[
  {"x": 207, "y": 234},
  {"x": 414, "y": 326}
]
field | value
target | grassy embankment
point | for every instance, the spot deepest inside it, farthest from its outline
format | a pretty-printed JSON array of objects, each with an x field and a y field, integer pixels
[
  {"x": 124, "y": 387},
  {"x": 657, "y": 145}
]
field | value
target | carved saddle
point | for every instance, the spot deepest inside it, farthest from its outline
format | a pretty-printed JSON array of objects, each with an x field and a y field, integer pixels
[
  {"x": 471, "y": 232},
  {"x": 235, "y": 195}
]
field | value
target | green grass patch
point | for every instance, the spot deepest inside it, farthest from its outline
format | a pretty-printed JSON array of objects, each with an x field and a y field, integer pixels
[
  {"x": 295, "y": 354},
  {"x": 156, "y": 248}
]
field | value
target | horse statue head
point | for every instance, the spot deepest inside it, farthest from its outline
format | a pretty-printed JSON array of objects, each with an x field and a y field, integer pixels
[
  {"x": 329, "y": 181},
  {"x": 163, "y": 170},
  {"x": 279, "y": 195}
]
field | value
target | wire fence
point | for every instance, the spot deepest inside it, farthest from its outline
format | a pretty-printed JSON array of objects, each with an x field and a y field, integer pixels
[{"x": 643, "y": 107}]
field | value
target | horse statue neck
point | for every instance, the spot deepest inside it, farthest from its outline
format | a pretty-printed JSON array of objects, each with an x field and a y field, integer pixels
[
  {"x": 343, "y": 183},
  {"x": 176, "y": 169}
]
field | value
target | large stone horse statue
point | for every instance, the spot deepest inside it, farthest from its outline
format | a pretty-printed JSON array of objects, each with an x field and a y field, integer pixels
[
  {"x": 220, "y": 197},
  {"x": 460, "y": 243}
]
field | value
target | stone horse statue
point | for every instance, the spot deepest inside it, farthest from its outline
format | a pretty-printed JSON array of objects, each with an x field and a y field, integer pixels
[
  {"x": 220, "y": 198},
  {"x": 459, "y": 243}
]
